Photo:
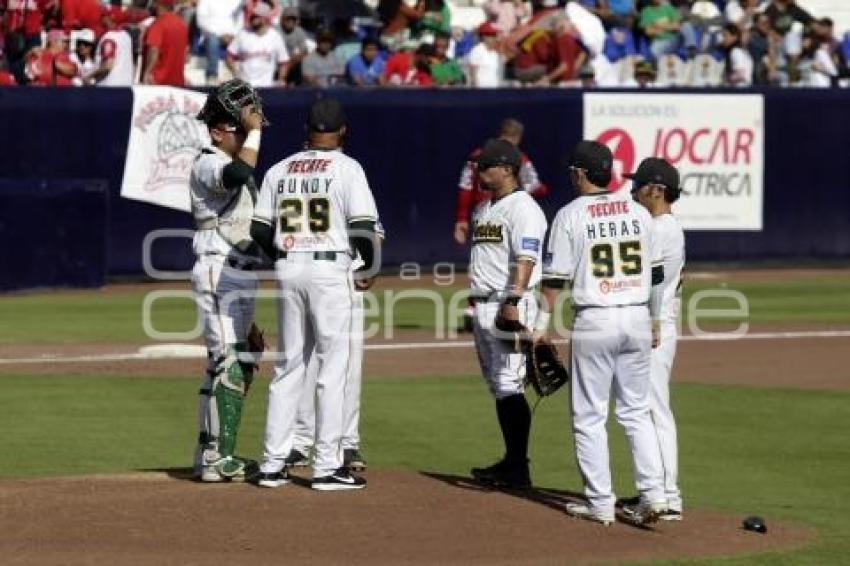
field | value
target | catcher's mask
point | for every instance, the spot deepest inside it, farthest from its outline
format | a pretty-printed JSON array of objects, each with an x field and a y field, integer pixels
[{"x": 225, "y": 103}]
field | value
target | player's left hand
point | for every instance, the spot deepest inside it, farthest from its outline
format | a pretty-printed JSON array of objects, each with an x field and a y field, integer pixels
[{"x": 364, "y": 284}]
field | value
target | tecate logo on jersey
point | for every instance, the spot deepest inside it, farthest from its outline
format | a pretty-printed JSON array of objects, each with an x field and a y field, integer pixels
[
  {"x": 607, "y": 286},
  {"x": 487, "y": 233}
]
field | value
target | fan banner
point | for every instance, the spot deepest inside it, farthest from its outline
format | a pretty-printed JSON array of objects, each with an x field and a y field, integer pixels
[
  {"x": 716, "y": 141},
  {"x": 165, "y": 139}
]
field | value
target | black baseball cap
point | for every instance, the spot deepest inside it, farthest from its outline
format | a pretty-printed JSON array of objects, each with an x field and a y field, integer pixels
[
  {"x": 596, "y": 159},
  {"x": 499, "y": 152},
  {"x": 655, "y": 171},
  {"x": 326, "y": 115}
]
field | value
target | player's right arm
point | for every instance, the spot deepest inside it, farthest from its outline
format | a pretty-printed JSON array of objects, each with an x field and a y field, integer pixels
[
  {"x": 263, "y": 222},
  {"x": 558, "y": 269}
]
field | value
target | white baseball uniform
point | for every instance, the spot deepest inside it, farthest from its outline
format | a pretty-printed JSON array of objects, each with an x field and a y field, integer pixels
[
  {"x": 310, "y": 198},
  {"x": 503, "y": 231},
  {"x": 603, "y": 244},
  {"x": 222, "y": 279},
  {"x": 305, "y": 419},
  {"x": 258, "y": 56},
  {"x": 116, "y": 45},
  {"x": 670, "y": 247}
]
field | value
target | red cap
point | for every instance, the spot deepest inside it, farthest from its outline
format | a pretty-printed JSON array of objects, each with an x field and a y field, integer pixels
[{"x": 487, "y": 29}]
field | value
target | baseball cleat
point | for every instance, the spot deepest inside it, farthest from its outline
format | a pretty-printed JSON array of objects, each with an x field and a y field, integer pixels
[
  {"x": 645, "y": 513},
  {"x": 296, "y": 459},
  {"x": 670, "y": 515},
  {"x": 585, "y": 511},
  {"x": 505, "y": 475},
  {"x": 273, "y": 479},
  {"x": 228, "y": 468},
  {"x": 340, "y": 480},
  {"x": 353, "y": 460}
]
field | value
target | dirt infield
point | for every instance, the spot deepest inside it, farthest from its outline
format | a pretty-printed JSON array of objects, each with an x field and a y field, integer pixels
[{"x": 401, "y": 518}]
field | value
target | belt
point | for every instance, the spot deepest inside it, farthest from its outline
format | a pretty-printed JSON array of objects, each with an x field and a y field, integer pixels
[
  {"x": 579, "y": 308},
  {"x": 236, "y": 264},
  {"x": 319, "y": 256},
  {"x": 494, "y": 298}
]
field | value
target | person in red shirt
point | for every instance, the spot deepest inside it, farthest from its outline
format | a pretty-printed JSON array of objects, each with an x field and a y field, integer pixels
[
  {"x": 6, "y": 78},
  {"x": 23, "y": 25},
  {"x": 80, "y": 14},
  {"x": 471, "y": 194},
  {"x": 166, "y": 41},
  {"x": 407, "y": 68},
  {"x": 51, "y": 65},
  {"x": 549, "y": 57}
]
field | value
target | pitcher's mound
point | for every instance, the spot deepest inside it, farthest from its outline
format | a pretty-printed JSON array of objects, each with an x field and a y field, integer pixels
[{"x": 401, "y": 518}]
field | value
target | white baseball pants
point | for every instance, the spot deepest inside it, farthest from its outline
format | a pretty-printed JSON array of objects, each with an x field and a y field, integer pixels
[
  {"x": 611, "y": 348},
  {"x": 315, "y": 320},
  {"x": 305, "y": 419},
  {"x": 661, "y": 365}
]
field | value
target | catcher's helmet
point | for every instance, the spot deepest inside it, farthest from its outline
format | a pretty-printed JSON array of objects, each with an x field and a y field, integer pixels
[{"x": 225, "y": 103}]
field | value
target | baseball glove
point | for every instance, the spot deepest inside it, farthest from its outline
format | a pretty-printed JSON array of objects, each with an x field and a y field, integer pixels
[{"x": 544, "y": 370}]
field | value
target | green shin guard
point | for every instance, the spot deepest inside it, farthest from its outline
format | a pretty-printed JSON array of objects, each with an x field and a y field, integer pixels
[{"x": 229, "y": 393}]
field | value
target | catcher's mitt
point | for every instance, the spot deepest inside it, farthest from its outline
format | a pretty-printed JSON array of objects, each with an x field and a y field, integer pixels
[{"x": 544, "y": 370}]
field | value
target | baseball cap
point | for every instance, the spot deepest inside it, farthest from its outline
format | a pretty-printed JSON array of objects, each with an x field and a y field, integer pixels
[
  {"x": 593, "y": 157},
  {"x": 57, "y": 35},
  {"x": 326, "y": 115},
  {"x": 644, "y": 68},
  {"x": 262, "y": 10},
  {"x": 289, "y": 12},
  {"x": 487, "y": 29},
  {"x": 86, "y": 35},
  {"x": 656, "y": 171},
  {"x": 499, "y": 152}
]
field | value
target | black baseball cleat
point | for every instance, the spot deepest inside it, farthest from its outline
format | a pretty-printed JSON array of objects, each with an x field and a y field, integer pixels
[
  {"x": 296, "y": 459},
  {"x": 340, "y": 480},
  {"x": 272, "y": 479},
  {"x": 353, "y": 460},
  {"x": 505, "y": 475}
]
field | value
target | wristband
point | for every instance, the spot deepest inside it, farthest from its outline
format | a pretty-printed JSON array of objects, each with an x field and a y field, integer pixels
[
  {"x": 542, "y": 322},
  {"x": 252, "y": 140}
]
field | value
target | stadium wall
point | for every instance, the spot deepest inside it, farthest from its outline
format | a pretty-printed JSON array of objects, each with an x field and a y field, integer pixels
[{"x": 412, "y": 144}]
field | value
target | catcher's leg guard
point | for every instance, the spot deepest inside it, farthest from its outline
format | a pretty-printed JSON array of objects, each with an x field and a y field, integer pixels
[{"x": 228, "y": 392}]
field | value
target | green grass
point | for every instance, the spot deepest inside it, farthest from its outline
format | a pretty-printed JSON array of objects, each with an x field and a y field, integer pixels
[
  {"x": 779, "y": 453},
  {"x": 116, "y": 317}
]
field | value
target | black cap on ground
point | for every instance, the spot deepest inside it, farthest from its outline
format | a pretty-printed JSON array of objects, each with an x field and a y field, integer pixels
[
  {"x": 499, "y": 152},
  {"x": 655, "y": 171},
  {"x": 326, "y": 115}
]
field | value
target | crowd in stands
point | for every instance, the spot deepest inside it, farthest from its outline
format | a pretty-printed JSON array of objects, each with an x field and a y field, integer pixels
[{"x": 413, "y": 43}]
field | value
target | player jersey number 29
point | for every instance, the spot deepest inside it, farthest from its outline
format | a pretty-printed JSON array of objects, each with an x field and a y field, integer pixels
[
  {"x": 292, "y": 215},
  {"x": 604, "y": 262}
]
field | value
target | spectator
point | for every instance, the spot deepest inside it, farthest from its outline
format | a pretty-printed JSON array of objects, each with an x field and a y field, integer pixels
[
  {"x": 619, "y": 44},
  {"x": 817, "y": 59},
  {"x": 248, "y": 9},
  {"x": 462, "y": 42},
  {"x": 347, "y": 43},
  {"x": 660, "y": 22},
  {"x": 742, "y": 12},
  {"x": 22, "y": 31},
  {"x": 739, "y": 64},
  {"x": 645, "y": 75},
  {"x": 789, "y": 20},
  {"x": 761, "y": 45},
  {"x": 297, "y": 44},
  {"x": 83, "y": 55},
  {"x": 505, "y": 15},
  {"x": 321, "y": 67},
  {"x": 398, "y": 18},
  {"x": 367, "y": 67},
  {"x": 700, "y": 20},
  {"x": 6, "y": 78},
  {"x": 116, "y": 12},
  {"x": 165, "y": 42},
  {"x": 219, "y": 21},
  {"x": 257, "y": 54},
  {"x": 407, "y": 68},
  {"x": 91, "y": 14},
  {"x": 622, "y": 13},
  {"x": 444, "y": 70},
  {"x": 486, "y": 64},
  {"x": 114, "y": 60},
  {"x": 436, "y": 17},
  {"x": 550, "y": 57},
  {"x": 51, "y": 65}
]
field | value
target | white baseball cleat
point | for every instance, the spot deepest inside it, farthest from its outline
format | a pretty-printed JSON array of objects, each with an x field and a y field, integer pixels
[
  {"x": 670, "y": 515},
  {"x": 342, "y": 479},
  {"x": 585, "y": 511},
  {"x": 273, "y": 479}
]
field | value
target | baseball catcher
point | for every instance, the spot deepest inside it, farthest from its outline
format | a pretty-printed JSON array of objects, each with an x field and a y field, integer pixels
[{"x": 223, "y": 194}]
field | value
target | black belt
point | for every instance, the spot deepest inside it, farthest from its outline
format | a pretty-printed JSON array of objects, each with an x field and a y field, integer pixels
[
  {"x": 320, "y": 256},
  {"x": 242, "y": 266},
  {"x": 494, "y": 298}
]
